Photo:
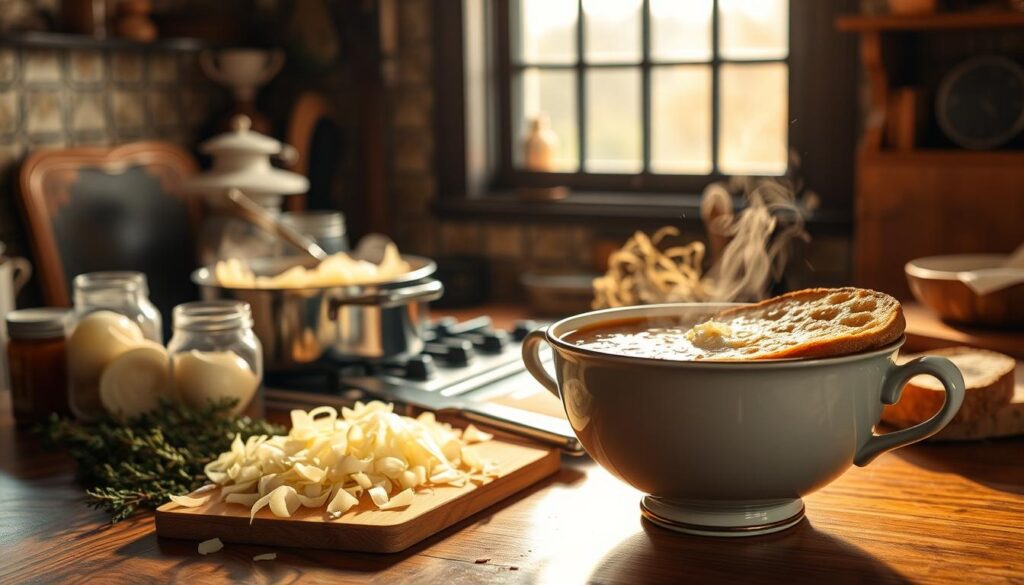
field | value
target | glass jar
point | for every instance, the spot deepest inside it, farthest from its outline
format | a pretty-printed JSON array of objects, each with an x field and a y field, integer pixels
[
  {"x": 215, "y": 355},
  {"x": 38, "y": 363},
  {"x": 112, "y": 314},
  {"x": 123, "y": 292},
  {"x": 326, "y": 228}
]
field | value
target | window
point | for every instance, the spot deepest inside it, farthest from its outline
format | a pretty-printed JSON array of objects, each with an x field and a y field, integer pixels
[
  {"x": 641, "y": 92},
  {"x": 665, "y": 97}
]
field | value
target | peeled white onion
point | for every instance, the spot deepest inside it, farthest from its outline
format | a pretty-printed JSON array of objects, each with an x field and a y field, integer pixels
[
  {"x": 210, "y": 376},
  {"x": 135, "y": 381},
  {"x": 97, "y": 339}
]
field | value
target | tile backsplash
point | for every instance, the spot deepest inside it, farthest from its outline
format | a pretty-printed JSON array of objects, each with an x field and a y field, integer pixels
[{"x": 58, "y": 98}]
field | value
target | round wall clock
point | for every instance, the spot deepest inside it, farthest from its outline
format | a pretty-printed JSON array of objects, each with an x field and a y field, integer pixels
[{"x": 980, "y": 103}]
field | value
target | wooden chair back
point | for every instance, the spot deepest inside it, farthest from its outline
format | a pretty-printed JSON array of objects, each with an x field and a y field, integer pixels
[{"x": 121, "y": 208}]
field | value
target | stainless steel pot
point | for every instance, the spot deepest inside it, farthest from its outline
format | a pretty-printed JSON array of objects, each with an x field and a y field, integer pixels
[{"x": 299, "y": 326}]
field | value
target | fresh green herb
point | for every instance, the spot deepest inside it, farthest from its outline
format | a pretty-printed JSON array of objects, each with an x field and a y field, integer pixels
[{"x": 137, "y": 464}]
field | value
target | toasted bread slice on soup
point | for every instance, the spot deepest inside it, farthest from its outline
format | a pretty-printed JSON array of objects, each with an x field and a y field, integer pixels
[
  {"x": 988, "y": 376},
  {"x": 817, "y": 322}
]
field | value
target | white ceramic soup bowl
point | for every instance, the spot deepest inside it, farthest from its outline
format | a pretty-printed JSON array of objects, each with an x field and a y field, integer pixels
[{"x": 729, "y": 448}]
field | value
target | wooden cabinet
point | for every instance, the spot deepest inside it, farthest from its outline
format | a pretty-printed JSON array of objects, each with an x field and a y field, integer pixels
[{"x": 913, "y": 202}]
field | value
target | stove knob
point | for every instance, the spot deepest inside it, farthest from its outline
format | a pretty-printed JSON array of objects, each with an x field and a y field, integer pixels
[
  {"x": 522, "y": 329},
  {"x": 459, "y": 352},
  {"x": 442, "y": 326},
  {"x": 420, "y": 367},
  {"x": 491, "y": 341}
]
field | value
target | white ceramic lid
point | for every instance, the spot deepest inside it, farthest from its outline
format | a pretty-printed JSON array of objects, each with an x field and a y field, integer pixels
[
  {"x": 253, "y": 182},
  {"x": 241, "y": 160},
  {"x": 242, "y": 139}
]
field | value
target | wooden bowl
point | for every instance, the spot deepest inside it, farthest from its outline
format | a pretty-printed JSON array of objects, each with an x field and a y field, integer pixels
[{"x": 935, "y": 285}]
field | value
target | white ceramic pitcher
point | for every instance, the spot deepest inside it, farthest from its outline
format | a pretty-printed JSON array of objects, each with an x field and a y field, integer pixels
[{"x": 14, "y": 273}]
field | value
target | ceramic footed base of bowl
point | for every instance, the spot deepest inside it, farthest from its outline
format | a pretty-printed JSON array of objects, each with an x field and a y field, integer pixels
[{"x": 711, "y": 518}]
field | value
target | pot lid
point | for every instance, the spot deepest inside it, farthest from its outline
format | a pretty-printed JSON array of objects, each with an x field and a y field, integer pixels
[{"x": 241, "y": 138}]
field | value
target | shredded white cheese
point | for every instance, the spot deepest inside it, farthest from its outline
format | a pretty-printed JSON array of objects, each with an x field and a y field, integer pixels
[
  {"x": 210, "y": 546},
  {"x": 265, "y": 557},
  {"x": 474, "y": 435},
  {"x": 189, "y": 501},
  {"x": 332, "y": 460}
]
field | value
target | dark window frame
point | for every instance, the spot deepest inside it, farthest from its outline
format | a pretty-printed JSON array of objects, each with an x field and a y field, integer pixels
[
  {"x": 508, "y": 175},
  {"x": 823, "y": 90}
]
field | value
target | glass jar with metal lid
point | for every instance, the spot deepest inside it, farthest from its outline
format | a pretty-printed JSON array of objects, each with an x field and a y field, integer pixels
[
  {"x": 326, "y": 228},
  {"x": 216, "y": 356},
  {"x": 112, "y": 315},
  {"x": 38, "y": 363}
]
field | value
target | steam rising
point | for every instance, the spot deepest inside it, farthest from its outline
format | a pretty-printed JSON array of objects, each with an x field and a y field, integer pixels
[{"x": 750, "y": 249}]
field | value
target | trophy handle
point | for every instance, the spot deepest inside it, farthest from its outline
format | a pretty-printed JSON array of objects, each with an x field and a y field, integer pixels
[
  {"x": 275, "y": 60},
  {"x": 208, "y": 63}
]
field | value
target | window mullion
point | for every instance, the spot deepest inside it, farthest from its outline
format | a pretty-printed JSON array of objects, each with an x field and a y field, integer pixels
[
  {"x": 645, "y": 94},
  {"x": 715, "y": 89},
  {"x": 581, "y": 101}
]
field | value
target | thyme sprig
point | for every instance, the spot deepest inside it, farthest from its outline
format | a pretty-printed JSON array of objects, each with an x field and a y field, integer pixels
[{"x": 126, "y": 466}]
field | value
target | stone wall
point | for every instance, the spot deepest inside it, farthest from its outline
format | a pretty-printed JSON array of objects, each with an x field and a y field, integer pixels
[
  {"x": 57, "y": 98},
  {"x": 511, "y": 247}
]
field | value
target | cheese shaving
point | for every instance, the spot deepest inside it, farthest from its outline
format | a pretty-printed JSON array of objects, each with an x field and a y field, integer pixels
[
  {"x": 210, "y": 546},
  {"x": 265, "y": 557},
  {"x": 474, "y": 435},
  {"x": 331, "y": 459},
  {"x": 189, "y": 501}
]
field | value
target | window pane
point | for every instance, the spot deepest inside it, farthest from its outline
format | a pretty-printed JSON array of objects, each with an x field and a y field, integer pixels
[
  {"x": 754, "y": 29},
  {"x": 754, "y": 115},
  {"x": 681, "y": 30},
  {"x": 613, "y": 30},
  {"x": 613, "y": 121},
  {"x": 547, "y": 31},
  {"x": 553, "y": 93},
  {"x": 681, "y": 119}
]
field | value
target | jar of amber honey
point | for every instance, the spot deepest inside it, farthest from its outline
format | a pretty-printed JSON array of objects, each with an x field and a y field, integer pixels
[{"x": 38, "y": 363}]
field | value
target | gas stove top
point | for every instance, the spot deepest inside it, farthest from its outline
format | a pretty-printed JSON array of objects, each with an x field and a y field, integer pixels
[
  {"x": 463, "y": 368},
  {"x": 459, "y": 357}
]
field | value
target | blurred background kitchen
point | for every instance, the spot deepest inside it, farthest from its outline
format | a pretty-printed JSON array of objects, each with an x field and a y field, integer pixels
[{"x": 515, "y": 142}]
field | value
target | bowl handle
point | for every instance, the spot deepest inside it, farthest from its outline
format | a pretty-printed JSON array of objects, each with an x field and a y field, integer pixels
[
  {"x": 531, "y": 357},
  {"x": 953, "y": 383}
]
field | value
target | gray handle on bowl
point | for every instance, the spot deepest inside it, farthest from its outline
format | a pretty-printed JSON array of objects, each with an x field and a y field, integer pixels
[
  {"x": 953, "y": 382},
  {"x": 534, "y": 364}
]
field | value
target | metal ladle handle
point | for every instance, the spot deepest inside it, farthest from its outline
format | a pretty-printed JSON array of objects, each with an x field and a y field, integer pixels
[{"x": 244, "y": 208}]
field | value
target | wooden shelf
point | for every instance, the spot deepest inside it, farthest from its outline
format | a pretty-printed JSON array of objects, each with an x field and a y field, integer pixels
[
  {"x": 931, "y": 22},
  {"x": 925, "y": 332},
  {"x": 948, "y": 157},
  {"x": 48, "y": 40}
]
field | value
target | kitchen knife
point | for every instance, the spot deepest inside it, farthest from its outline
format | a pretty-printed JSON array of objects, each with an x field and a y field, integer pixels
[{"x": 539, "y": 427}]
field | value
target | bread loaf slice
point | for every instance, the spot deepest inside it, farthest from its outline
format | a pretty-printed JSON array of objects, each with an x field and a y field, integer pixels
[
  {"x": 989, "y": 377},
  {"x": 817, "y": 322}
]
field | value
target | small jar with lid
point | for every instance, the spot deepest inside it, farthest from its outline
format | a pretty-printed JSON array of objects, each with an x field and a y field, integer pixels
[
  {"x": 216, "y": 356},
  {"x": 112, "y": 315},
  {"x": 38, "y": 363}
]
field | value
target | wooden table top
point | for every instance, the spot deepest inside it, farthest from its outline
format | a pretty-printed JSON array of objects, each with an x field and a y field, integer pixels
[{"x": 931, "y": 513}]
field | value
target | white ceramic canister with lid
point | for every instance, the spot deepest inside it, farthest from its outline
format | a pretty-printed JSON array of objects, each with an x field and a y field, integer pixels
[{"x": 14, "y": 274}]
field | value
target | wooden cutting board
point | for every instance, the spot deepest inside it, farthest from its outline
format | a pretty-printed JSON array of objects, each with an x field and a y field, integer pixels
[{"x": 364, "y": 528}]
